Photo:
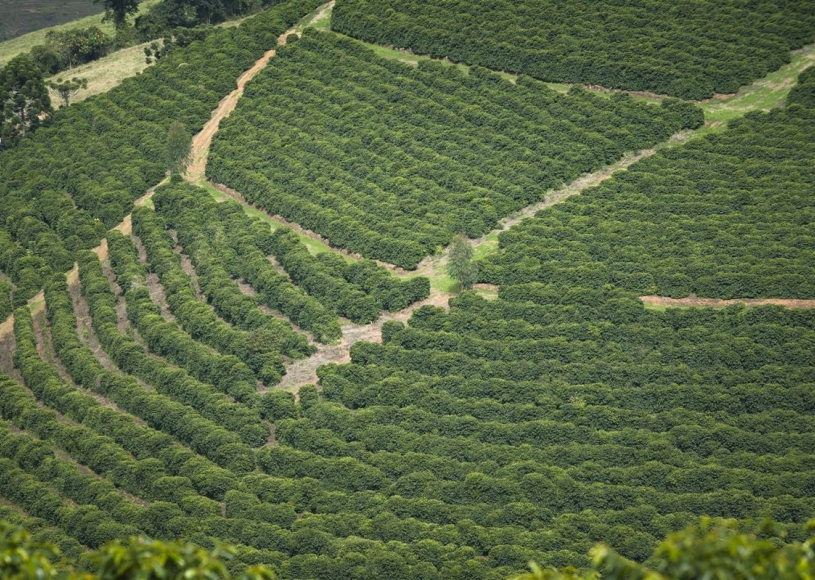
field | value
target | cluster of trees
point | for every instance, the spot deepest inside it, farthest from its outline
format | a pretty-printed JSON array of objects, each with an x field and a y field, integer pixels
[
  {"x": 178, "y": 17},
  {"x": 63, "y": 187},
  {"x": 391, "y": 161},
  {"x": 65, "y": 50},
  {"x": 727, "y": 216},
  {"x": 24, "y": 100},
  {"x": 178, "y": 22},
  {"x": 690, "y": 51}
]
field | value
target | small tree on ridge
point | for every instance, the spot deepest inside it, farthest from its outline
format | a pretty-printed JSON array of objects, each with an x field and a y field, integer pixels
[{"x": 460, "y": 265}]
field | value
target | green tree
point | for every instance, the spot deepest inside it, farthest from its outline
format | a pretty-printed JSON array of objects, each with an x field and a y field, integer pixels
[
  {"x": 81, "y": 45},
  {"x": 179, "y": 147},
  {"x": 460, "y": 265},
  {"x": 714, "y": 549},
  {"x": 119, "y": 10},
  {"x": 24, "y": 558},
  {"x": 68, "y": 88},
  {"x": 24, "y": 99}
]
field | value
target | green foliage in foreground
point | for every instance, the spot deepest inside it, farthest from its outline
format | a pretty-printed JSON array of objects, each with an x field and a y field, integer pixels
[
  {"x": 712, "y": 550},
  {"x": 24, "y": 558},
  {"x": 391, "y": 161},
  {"x": 727, "y": 216},
  {"x": 688, "y": 50}
]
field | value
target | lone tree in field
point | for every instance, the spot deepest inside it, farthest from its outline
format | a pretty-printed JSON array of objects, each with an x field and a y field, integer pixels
[
  {"x": 179, "y": 148},
  {"x": 67, "y": 89},
  {"x": 460, "y": 263}
]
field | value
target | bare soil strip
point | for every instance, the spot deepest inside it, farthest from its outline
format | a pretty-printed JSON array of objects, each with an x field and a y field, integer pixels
[
  {"x": 202, "y": 141},
  {"x": 432, "y": 265},
  {"x": 722, "y": 303},
  {"x": 303, "y": 372}
]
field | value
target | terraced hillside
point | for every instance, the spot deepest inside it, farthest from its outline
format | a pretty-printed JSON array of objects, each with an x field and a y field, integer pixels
[
  {"x": 727, "y": 216},
  {"x": 217, "y": 371},
  {"x": 66, "y": 185},
  {"x": 392, "y": 161},
  {"x": 690, "y": 50}
]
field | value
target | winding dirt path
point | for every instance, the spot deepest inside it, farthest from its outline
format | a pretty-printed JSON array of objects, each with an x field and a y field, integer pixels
[
  {"x": 202, "y": 141},
  {"x": 195, "y": 172},
  {"x": 304, "y": 371}
]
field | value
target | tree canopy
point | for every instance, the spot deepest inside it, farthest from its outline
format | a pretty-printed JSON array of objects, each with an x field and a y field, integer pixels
[{"x": 24, "y": 99}]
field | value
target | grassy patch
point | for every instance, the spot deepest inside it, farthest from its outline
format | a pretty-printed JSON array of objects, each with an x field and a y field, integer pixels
[
  {"x": 319, "y": 19},
  {"x": 657, "y": 307},
  {"x": 764, "y": 94},
  {"x": 323, "y": 23},
  {"x": 314, "y": 246},
  {"x": 487, "y": 294},
  {"x": 487, "y": 247},
  {"x": 105, "y": 73},
  {"x": 441, "y": 282}
]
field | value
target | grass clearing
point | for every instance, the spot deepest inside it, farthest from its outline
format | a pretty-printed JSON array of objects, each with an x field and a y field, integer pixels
[
  {"x": 441, "y": 282},
  {"x": 319, "y": 19},
  {"x": 104, "y": 74},
  {"x": 763, "y": 95},
  {"x": 488, "y": 294},
  {"x": 660, "y": 308},
  {"x": 314, "y": 246}
]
